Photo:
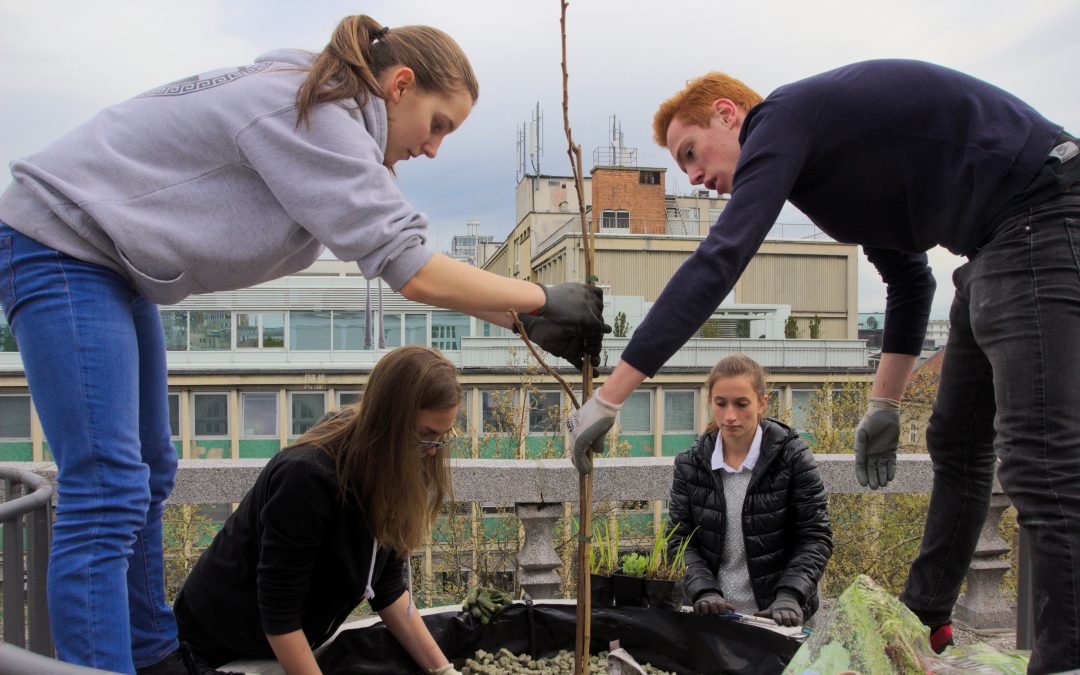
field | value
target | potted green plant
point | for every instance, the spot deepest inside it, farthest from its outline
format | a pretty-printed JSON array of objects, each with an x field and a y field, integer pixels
[
  {"x": 627, "y": 584},
  {"x": 663, "y": 586},
  {"x": 658, "y": 590},
  {"x": 603, "y": 557}
]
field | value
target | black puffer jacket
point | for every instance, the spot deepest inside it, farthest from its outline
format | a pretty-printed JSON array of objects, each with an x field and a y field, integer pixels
[{"x": 785, "y": 521}]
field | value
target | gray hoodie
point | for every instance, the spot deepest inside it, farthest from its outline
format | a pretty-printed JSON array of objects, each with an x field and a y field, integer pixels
[{"x": 207, "y": 185}]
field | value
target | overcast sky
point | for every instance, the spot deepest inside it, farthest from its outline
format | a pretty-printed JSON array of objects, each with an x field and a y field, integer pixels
[{"x": 61, "y": 61}]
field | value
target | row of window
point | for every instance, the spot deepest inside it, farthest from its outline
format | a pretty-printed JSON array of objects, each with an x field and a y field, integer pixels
[
  {"x": 259, "y": 416},
  {"x": 198, "y": 330},
  {"x": 258, "y": 412}
]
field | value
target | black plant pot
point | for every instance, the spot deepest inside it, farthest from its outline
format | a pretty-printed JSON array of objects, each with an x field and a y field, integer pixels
[
  {"x": 663, "y": 594},
  {"x": 627, "y": 590},
  {"x": 600, "y": 590}
]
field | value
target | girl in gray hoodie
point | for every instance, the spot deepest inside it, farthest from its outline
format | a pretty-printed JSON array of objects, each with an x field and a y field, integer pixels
[{"x": 216, "y": 182}]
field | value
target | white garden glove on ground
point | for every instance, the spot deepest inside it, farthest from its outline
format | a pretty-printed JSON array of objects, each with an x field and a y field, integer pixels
[
  {"x": 588, "y": 426},
  {"x": 876, "y": 439},
  {"x": 448, "y": 669}
]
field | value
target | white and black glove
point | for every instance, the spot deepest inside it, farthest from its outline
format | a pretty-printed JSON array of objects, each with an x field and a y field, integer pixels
[
  {"x": 574, "y": 304},
  {"x": 876, "y": 439},
  {"x": 588, "y": 426}
]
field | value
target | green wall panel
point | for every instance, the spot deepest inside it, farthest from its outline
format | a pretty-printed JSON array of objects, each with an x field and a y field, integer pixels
[
  {"x": 498, "y": 447},
  {"x": 544, "y": 447},
  {"x": 16, "y": 451},
  {"x": 637, "y": 446},
  {"x": 256, "y": 448},
  {"x": 676, "y": 443},
  {"x": 211, "y": 449}
]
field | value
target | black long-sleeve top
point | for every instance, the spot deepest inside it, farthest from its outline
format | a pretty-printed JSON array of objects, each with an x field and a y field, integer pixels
[
  {"x": 292, "y": 556},
  {"x": 897, "y": 156}
]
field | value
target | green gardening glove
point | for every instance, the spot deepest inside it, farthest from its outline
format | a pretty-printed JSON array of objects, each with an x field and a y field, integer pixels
[{"x": 484, "y": 603}]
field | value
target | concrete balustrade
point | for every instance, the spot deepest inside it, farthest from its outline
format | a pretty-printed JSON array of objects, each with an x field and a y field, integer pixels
[{"x": 538, "y": 488}]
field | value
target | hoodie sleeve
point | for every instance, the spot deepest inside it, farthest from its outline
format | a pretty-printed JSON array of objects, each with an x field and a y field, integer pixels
[
  {"x": 289, "y": 542},
  {"x": 390, "y": 584},
  {"x": 329, "y": 178}
]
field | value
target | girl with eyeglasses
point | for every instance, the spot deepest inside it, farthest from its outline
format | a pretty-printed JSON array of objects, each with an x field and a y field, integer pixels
[{"x": 329, "y": 523}]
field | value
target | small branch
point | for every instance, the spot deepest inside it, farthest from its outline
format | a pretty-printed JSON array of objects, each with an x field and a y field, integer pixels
[{"x": 532, "y": 350}]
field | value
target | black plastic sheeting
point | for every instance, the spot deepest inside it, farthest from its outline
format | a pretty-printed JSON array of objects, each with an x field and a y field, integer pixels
[{"x": 673, "y": 641}]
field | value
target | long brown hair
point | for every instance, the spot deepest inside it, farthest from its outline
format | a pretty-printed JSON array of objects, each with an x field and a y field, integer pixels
[
  {"x": 361, "y": 49},
  {"x": 693, "y": 105},
  {"x": 376, "y": 449},
  {"x": 734, "y": 366}
]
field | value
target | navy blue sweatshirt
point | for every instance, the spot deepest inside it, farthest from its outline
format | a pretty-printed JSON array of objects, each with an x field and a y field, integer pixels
[{"x": 898, "y": 156}]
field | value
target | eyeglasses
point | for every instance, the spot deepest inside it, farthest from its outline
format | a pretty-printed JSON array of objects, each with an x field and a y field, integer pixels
[{"x": 448, "y": 437}]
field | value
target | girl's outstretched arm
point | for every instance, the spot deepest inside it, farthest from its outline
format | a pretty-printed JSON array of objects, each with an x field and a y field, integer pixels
[{"x": 413, "y": 634}]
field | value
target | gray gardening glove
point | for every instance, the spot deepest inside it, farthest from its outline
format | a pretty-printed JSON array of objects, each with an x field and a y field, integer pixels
[
  {"x": 562, "y": 340},
  {"x": 785, "y": 610},
  {"x": 876, "y": 439},
  {"x": 575, "y": 304},
  {"x": 588, "y": 425},
  {"x": 712, "y": 603}
]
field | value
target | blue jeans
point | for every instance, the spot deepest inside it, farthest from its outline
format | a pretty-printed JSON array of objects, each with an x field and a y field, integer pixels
[
  {"x": 1010, "y": 385},
  {"x": 94, "y": 355}
]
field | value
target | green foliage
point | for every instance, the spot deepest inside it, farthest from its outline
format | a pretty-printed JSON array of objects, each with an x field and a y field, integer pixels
[
  {"x": 677, "y": 567},
  {"x": 660, "y": 567},
  {"x": 873, "y": 534},
  {"x": 186, "y": 531},
  {"x": 791, "y": 328},
  {"x": 815, "y": 327},
  {"x": 634, "y": 564},
  {"x": 621, "y": 327},
  {"x": 604, "y": 552},
  {"x": 7, "y": 339}
]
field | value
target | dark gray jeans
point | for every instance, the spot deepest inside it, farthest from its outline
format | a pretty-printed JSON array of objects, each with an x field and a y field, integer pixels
[{"x": 1010, "y": 389}]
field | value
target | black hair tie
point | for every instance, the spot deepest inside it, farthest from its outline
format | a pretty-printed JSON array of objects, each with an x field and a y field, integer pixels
[{"x": 380, "y": 34}]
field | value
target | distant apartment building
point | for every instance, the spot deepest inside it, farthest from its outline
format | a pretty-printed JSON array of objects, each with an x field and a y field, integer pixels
[
  {"x": 937, "y": 334},
  {"x": 468, "y": 247},
  {"x": 643, "y": 235}
]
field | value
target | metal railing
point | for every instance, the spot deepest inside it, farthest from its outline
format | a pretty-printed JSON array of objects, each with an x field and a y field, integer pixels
[
  {"x": 16, "y": 661},
  {"x": 674, "y": 227},
  {"x": 25, "y": 515}
]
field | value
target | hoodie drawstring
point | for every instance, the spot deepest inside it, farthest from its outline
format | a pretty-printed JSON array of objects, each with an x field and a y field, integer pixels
[{"x": 369, "y": 592}]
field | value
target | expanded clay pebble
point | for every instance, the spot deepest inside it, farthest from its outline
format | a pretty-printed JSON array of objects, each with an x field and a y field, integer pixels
[{"x": 505, "y": 662}]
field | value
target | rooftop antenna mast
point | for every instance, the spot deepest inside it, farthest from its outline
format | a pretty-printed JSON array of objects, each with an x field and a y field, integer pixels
[
  {"x": 520, "y": 151},
  {"x": 536, "y": 139}
]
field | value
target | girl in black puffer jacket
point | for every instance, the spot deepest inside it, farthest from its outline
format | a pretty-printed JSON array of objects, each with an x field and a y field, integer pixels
[{"x": 750, "y": 492}]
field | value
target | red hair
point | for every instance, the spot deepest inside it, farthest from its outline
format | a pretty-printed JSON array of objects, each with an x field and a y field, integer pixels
[{"x": 694, "y": 104}]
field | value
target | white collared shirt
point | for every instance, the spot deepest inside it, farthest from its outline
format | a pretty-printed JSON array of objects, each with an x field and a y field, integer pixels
[{"x": 748, "y": 463}]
